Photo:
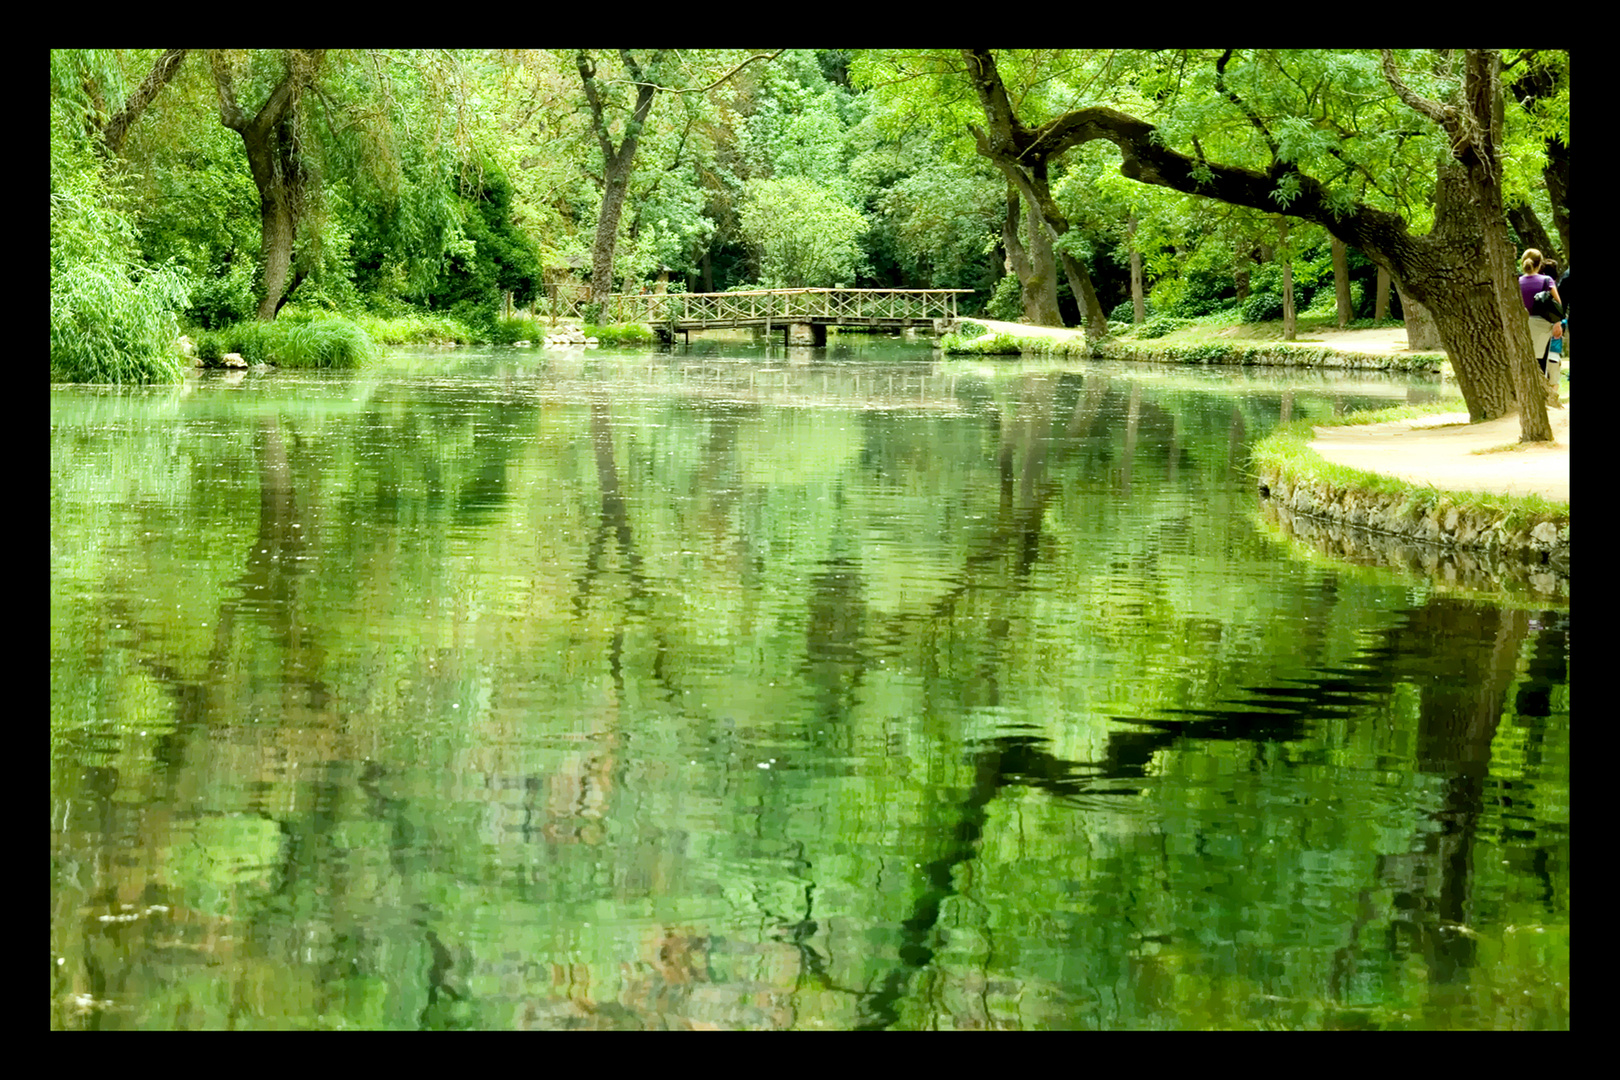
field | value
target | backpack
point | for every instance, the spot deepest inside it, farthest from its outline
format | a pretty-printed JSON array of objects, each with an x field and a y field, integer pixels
[{"x": 1543, "y": 306}]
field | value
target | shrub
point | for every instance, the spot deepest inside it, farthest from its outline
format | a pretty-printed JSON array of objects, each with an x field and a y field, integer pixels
[
  {"x": 620, "y": 333},
  {"x": 111, "y": 326},
  {"x": 516, "y": 328},
  {"x": 210, "y": 347},
  {"x": 1160, "y": 325},
  {"x": 1007, "y": 302},
  {"x": 1125, "y": 311},
  {"x": 1262, "y": 307}
]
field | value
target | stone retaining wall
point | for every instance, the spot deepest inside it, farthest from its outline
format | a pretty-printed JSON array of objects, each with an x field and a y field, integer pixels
[
  {"x": 1441, "y": 522},
  {"x": 1276, "y": 355},
  {"x": 1451, "y": 567}
]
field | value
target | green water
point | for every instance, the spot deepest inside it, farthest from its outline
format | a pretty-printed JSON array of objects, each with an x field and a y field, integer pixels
[{"x": 729, "y": 689}]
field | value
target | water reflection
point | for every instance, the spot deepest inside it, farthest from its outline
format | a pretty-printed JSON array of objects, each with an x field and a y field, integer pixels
[{"x": 702, "y": 690}]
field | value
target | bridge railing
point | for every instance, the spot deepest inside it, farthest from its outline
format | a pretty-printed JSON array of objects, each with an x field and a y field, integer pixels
[{"x": 786, "y": 305}]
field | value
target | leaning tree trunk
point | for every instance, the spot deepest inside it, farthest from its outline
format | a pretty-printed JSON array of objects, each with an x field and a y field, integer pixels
[
  {"x": 1085, "y": 293},
  {"x": 1341, "y": 280},
  {"x": 1037, "y": 277},
  {"x": 1138, "y": 301},
  {"x": 278, "y": 223},
  {"x": 278, "y": 172},
  {"x": 1422, "y": 335}
]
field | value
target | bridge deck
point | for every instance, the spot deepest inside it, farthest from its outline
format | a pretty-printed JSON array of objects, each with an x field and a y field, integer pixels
[{"x": 771, "y": 308}]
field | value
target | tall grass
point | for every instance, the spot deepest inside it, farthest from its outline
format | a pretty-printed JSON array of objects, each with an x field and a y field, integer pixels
[
  {"x": 620, "y": 333},
  {"x": 320, "y": 341},
  {"x": 109, "y": 326},
  {"x": 517, "y": 328},
  {"x": 415, "y": 329},
  {"x": 111, "y": 319}
]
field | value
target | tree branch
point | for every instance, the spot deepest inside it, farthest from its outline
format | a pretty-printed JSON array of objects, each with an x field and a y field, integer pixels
[
  {"x": 711, "y": 86},
  {"x": 1435, "y": 111},
  {"x": 1259, "y": 125},
  {"x": 118, "y": 127},
  {"x": 230, "y": 114}
]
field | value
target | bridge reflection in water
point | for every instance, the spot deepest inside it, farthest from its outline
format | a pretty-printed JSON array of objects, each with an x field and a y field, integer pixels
[{"x": 802, "y": 314}]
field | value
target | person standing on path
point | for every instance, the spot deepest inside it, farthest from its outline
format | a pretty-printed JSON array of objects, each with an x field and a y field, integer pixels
[{"x": 1531, "y": 282}]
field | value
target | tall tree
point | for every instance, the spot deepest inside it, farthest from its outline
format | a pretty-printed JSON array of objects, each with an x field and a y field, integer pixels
[
  {"x": 1478, "y": 315},
  {"x": 1027, "y": 167},
  {"x": 617, "y": 161},
  {"x": 272, "y": 139}
]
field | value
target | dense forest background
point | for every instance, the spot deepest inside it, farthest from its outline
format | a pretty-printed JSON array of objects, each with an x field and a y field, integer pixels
[{"x": 203, "y": 189}]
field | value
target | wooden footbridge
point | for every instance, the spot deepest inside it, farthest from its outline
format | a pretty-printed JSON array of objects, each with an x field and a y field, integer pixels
[{"x": 802, "y": 314}]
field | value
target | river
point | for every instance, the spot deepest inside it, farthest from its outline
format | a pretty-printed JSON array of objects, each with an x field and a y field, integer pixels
[{"x": 733, "y": 688}]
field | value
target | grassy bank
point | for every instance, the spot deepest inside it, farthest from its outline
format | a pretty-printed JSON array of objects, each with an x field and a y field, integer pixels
[
  {"x": 1286, "y": 455},
  {"x": 1221, "y": 338}
]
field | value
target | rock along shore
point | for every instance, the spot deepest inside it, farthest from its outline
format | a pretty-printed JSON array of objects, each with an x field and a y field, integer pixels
[{"x": 1424, "y": 517}]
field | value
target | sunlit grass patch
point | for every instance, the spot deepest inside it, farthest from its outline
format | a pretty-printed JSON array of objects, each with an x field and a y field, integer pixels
[
  {"x": 318, "y": 341},
  {"x": 621, "y": 333},
  {"x": 1287, "y": 452}
]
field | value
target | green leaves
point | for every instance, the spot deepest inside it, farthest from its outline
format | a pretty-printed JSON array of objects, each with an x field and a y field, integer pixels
[{"x": 802, "y": 235}]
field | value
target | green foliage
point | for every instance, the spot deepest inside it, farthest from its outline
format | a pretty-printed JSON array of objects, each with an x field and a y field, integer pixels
[
  {"x": 516, "y": 328},
  {"x": 802, "y": 234},
  {"x": 1007, "y": 302},
  {"x": 621, "y": 333},
  {"x": 498, "y": 258},
  {"x": 221, "y": 299},
  {"x": 112, "y": 320}
]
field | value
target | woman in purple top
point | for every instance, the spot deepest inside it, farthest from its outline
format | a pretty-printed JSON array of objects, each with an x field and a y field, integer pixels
[{"x": 1530, "y": 283}]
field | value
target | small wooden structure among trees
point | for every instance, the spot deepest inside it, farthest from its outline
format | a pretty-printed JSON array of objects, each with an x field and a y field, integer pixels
[{"x": 803, "y": 314}]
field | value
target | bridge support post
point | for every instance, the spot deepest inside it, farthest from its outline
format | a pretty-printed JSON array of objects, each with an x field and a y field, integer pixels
[{"x": 803, "y": 333}]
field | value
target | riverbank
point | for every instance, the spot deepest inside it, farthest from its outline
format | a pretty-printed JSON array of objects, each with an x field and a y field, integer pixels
[
  {"x": 1381, "y": 348},
  {"x": 1432, "y": 480},
  {"x": 1426, "y": 480}
]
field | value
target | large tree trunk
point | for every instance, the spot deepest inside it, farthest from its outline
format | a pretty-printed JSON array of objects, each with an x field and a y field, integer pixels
[
  {"x": 1341, "y": 280},
  {"x": 1138, "y": 300},
  {"x": 1422, "y": 335},
  {"x": 1043, "y": 273},
  {"x": 278, "y": 172},
  {"x": 270, "y": 158},
  {"x": 1028, "y": 173},
  {"x": 617, "y": 162},
  {"x": 1032, "y": 262}
]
